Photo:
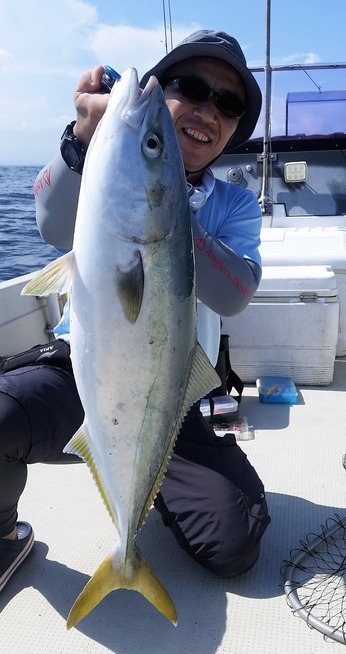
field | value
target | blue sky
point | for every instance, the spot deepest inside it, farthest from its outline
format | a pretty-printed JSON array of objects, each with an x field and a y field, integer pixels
[{"x": 45, "y": 46}]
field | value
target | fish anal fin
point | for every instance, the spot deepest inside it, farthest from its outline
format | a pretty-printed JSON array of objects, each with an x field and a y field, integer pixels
[
  {"x": 137, "y": 575},
  {"x": 54, "y": 278},
  {"x": 203, "y": 378},
  {"x": 79, "y": 445},
  {"x": 130, "y": 288}
]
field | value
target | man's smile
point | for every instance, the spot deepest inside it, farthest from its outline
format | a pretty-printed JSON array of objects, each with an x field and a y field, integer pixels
[{"x": 196, "y": 135}]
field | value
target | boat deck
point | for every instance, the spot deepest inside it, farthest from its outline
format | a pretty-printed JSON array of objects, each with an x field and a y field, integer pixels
[{"x": 297, "y": 451}]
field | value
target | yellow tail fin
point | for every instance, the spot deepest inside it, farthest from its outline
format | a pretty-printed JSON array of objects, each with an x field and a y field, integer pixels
[{"x": 138, "y": 575}]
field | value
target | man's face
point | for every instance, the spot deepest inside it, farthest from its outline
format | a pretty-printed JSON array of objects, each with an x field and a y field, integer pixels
[{"x": 203, "y": 130}]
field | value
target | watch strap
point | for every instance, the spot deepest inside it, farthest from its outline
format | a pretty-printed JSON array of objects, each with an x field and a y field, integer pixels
[{"x": 72, "y": 150}]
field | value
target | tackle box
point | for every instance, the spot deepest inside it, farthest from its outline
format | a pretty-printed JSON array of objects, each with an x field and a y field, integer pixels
[{"x": 276, "y": 390}]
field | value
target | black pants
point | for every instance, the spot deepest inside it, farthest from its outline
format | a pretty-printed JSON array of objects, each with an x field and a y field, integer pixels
[{"x": 211, "y": 498}]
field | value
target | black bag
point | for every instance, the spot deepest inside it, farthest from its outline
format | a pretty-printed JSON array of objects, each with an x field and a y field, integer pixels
[
  {"x": 229, "y": 378},
  {"x": 56, "y": 353}
]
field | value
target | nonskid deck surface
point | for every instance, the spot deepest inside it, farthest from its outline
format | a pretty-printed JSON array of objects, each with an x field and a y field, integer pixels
[{"x": 298, "y": 453}]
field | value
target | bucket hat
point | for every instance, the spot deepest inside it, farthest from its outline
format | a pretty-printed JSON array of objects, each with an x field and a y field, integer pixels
[{"x": 210, "y": 43}]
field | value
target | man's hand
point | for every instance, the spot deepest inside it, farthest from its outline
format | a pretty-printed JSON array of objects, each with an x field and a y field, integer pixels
[{"x": 90, "y": 103}]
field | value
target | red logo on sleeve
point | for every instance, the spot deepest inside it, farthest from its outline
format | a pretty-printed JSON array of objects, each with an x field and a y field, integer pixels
[
  {"x": 44, "y": 180},
  {"x": 199, "y": 243}
]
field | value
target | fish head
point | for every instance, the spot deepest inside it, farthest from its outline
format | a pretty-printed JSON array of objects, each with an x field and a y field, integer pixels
[{"x": 134, "y": 164}]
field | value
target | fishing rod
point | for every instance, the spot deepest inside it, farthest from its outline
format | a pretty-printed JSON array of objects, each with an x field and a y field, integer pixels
[{"x": 169, "y": 27}]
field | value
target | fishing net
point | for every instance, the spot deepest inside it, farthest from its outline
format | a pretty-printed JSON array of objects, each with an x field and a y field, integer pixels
[{"x": 314, "y": 580}]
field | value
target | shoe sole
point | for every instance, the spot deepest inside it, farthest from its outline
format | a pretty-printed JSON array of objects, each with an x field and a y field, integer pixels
[{"x": 16, "y": 563}]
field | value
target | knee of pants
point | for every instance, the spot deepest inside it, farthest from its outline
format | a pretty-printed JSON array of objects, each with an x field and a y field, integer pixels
[
  {"x": 231, "y": 559},
  {"x": 237, "y": 566},
  {"x": 228, "y": 545},
  {"x": 239, "y": 549}
]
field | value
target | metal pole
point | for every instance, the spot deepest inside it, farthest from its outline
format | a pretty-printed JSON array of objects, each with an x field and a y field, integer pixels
[{"x": 264, "y": 198}]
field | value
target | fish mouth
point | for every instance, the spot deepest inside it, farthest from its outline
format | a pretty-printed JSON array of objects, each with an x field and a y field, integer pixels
[
  {"x": 149, "y": 87},
  {"x": 138, "y": 99}
]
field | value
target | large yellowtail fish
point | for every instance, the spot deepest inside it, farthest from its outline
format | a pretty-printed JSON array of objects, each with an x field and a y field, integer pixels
[{"x": 136, "y": 360}]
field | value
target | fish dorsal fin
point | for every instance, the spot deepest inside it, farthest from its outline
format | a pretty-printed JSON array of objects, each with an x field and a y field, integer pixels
[
  {"x": 53, "y": 278},
  {"x": 79, "y": 445},
  {"x": 130, "y": 288},
  {"x": 202, "y": 379}
]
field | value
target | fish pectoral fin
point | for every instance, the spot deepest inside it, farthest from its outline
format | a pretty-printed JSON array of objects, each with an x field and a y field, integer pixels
[
  {"x": 137, "y": 575},
  {"x": 79, "y": 444},
  {"x": 54, "y": 278},
  {"x": 130, "y": 288}
]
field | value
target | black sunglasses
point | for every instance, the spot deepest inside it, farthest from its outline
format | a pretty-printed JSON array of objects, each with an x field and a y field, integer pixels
[{"x": 194, "y": 88}]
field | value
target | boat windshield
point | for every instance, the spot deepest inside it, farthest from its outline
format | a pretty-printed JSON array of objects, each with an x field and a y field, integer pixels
[{"x": 305, "y": 102}]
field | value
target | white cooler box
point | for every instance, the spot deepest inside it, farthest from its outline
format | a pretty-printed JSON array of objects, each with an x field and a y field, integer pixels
[
  {"x": 300, "y": 246},
  {"x": 290, "y": 328}
]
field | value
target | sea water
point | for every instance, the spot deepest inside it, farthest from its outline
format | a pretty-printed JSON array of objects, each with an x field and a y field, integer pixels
[{"x": 22, "y": 249}]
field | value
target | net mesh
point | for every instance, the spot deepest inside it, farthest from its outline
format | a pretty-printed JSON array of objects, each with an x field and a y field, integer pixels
[{"x": 314, "y": 580}]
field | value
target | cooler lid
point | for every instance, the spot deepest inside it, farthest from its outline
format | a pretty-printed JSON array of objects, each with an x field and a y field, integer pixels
[
  {"x": 293, "y": 281},
  {"x": 304, "y": 245}
]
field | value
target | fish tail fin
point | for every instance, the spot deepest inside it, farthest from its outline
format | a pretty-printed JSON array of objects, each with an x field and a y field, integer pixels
[
  {"x": 138, "y": 575},
  {"x": 149, "y": 585}
]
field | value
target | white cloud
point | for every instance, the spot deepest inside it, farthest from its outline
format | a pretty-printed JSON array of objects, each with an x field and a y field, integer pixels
[
  {"x": 45, "y": 47},
  {"x": 122, "y": 46},
  {"x": 297, "y": 58}
]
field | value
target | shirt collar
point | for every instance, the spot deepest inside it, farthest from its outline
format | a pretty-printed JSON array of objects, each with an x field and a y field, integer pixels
[{"x": 198, "y": 195}]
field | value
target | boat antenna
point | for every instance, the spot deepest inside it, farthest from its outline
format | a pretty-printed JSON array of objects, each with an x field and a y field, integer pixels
[{"x": 264, "y": 199}]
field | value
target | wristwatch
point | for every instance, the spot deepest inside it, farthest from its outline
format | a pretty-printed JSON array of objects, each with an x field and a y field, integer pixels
[{"x": 72, "y": 150}]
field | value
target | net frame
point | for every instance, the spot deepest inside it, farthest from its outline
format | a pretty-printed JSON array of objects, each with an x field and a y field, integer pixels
[{"x": 315, "y": 580}]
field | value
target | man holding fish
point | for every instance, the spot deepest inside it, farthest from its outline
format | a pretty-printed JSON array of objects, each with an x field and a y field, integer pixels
[{"x": 210, "y": 496}]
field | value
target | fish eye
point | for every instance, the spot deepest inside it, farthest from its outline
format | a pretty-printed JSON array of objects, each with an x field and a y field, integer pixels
[{"x": 152, "y": 146}]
